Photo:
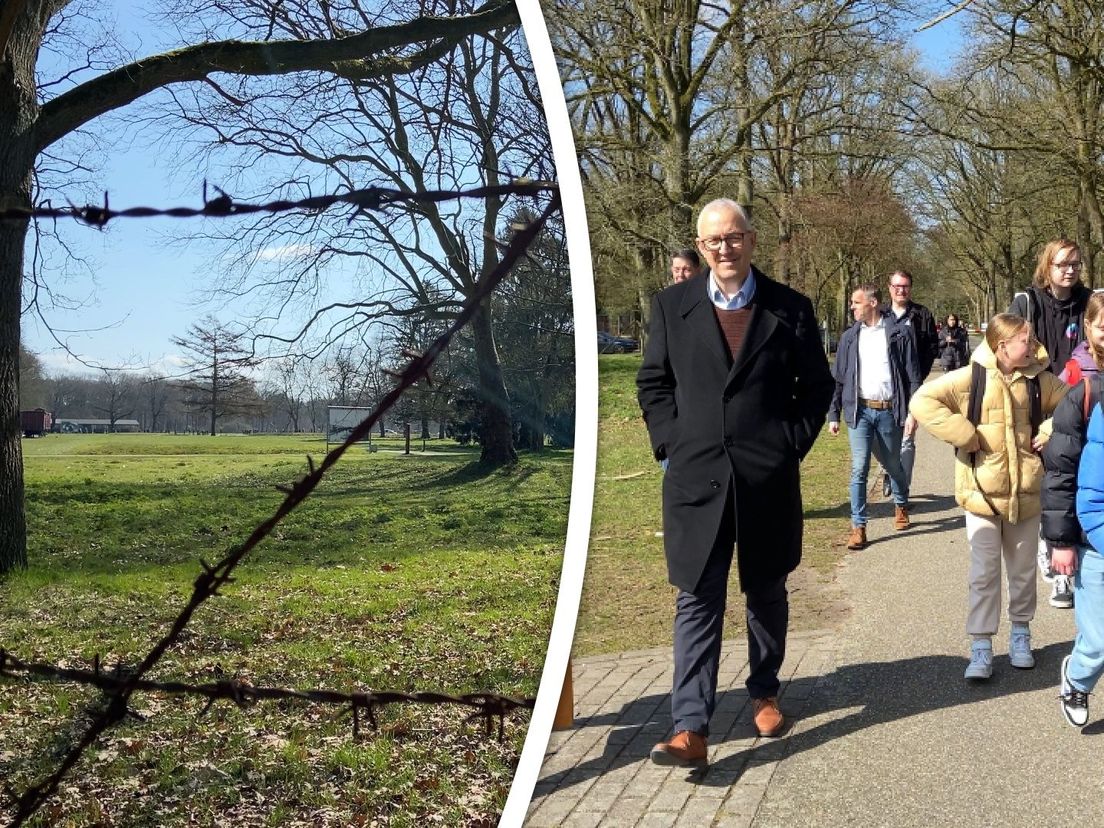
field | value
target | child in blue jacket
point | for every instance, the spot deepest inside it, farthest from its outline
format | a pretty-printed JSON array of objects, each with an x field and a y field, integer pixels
[{"x": 1073, "y": 524}]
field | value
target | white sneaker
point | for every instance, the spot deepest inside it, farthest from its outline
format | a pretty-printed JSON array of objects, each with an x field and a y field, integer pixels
[
  {"x": 1061, "y": 594},
  {"x": 1019, "y": 648},
  {"x": 1075, "y": 703},
  {"x": 981, "y": 660},
  {"x": 1043, "y": 559}
]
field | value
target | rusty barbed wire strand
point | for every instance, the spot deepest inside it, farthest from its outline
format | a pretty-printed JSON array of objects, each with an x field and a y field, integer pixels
[
  {"x": 488, "y": 706},
  {"x": 215, "y": 576},
  {"x": 370, "y": 198}
]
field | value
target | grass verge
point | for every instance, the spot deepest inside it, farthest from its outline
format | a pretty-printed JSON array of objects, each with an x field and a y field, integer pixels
[{"x": 401, "y": 573}]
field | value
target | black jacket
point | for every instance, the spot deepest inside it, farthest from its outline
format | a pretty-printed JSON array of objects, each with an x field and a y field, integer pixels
[
  {"x": 1061, "y": 457},
  {"x": 922, "y": 323},
  {"x": 958, "y": 349},
  {"x": 1058, "y": 324},
  {"x": 904, "y": 368},
  {"x": 744, "y": 423}
]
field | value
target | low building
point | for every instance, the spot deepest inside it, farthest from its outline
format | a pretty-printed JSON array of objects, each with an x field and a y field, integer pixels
[{"x": 72, "y": 425}]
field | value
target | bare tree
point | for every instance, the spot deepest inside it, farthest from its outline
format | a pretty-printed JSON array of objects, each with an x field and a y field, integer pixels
[
  {"x": 213, "y": 382},
  {"x": 155, "y": 392},
  {"x": 670, "y": 98},
  {"x": 32, "y": 380},
  {"x": 29, "y": 127},
  {"x": 469, "y": 118},
  {"x": 116, "y": 396}
]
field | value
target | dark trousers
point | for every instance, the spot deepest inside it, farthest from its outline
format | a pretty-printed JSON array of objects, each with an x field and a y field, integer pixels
[{"x": 699, "y": 624}]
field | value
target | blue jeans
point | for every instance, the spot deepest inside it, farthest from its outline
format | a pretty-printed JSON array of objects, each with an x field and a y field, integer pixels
[
  {"x": 1087, "y": 660},
  {"x": 908, "y": 457},
  {"x": 875, "y": 431}
]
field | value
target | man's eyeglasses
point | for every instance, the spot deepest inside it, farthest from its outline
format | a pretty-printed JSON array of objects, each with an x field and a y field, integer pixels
[
  {"x": 900, "y": 287},
  {"x": 1074, "y": 266},
  {"x": 714, "y": 243}
]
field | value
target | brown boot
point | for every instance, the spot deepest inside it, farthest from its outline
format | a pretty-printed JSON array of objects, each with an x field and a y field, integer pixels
[
  {"x": 900, "y": 518},
  {"x": 686, "y": 749},
  {"x": 857, "y": 538},
  {"x": 768, "y": 718}
]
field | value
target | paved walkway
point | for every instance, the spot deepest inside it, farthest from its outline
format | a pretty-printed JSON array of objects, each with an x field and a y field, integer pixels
[{"x": 885, "y": 731}]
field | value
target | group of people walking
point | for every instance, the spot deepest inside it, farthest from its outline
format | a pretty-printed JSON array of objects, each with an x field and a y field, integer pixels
[{"x": 735, "y": 387}]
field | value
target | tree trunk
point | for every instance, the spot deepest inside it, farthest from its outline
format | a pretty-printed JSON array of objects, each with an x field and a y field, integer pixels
[
  {"x": 18, "y": 111},
  {"x": 496, "y": 431}
]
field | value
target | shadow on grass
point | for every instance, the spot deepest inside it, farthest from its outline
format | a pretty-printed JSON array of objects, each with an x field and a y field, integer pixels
[{"x": 921, "y": 685}]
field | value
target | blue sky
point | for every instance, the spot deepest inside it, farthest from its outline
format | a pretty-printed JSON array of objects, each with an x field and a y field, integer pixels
[
  {"x": 141, "y": 290},
  {"x": 147, "y": 290}
]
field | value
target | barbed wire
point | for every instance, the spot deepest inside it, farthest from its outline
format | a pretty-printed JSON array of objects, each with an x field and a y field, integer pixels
[
  {"x": 223, "y": 205},
  {"x": 242, "y": 693},
  {"x": 214, "y": 577}
]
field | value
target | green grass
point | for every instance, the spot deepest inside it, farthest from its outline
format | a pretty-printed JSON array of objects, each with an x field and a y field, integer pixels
[
  {"x": 627, "y": 603},
  {"x": 399, "y": 573}
]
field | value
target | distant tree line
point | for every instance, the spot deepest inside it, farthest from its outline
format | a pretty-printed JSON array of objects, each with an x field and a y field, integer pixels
[
  {"x": 213, "y": 394},
  {"x": 851, "y": 157}
]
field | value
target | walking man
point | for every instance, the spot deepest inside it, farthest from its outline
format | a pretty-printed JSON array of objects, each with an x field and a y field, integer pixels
[
  {"x": 733, "y": 386},
  {"x": 922, "y": 324},
  {"x": 877, "y": 372}
]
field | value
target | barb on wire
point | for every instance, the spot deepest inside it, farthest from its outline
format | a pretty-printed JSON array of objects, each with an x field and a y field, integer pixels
[
  {"x": 371, "y": 198},
  {"x": 488, "y": 706},
  {"x": 213, "y": 577}
]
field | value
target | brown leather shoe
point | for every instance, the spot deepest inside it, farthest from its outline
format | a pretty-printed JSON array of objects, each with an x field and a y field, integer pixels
[
  {"x": 900, "y": 518},
  {"x": 768, "y": 718},
  {"x": 857, "y": 538},
  {"x": 686, "y": 749}
]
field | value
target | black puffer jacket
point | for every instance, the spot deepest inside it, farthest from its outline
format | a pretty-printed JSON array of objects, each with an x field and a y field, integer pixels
[{"x": 1061, "y": 456}]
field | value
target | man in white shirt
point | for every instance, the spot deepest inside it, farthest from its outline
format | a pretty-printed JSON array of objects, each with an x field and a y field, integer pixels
[{"x": 877, "y": 372}]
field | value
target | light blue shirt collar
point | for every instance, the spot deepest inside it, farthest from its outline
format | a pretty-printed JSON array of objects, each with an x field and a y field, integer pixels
[{"x": 741, "y": 299}]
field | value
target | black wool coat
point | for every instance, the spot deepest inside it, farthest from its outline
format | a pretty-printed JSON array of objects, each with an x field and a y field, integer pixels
[{"x": 745, "y": 423}]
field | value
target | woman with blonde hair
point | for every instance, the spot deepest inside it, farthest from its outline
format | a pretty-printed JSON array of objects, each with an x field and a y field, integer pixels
[
  {"x": 998, "y": 476},
  {"x": 1054, "y": 303}
]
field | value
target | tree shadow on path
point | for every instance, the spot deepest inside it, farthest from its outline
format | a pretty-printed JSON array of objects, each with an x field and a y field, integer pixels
[{"x": 874, "y": 693}]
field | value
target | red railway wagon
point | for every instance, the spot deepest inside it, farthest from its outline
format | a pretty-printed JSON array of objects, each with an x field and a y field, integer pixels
[{"x": 35, "y": 423}]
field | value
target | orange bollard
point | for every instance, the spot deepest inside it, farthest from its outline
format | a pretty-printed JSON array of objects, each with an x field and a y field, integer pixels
[{"x": 565, "y": 710}]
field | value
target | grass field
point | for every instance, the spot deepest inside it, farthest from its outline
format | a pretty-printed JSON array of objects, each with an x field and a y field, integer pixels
[
  {"x": 627, "y": 603},
  {"x": 400, "y": 573}
]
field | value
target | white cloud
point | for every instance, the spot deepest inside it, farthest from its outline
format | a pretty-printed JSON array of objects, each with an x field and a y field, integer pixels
[{"x": 282, "y": 253}]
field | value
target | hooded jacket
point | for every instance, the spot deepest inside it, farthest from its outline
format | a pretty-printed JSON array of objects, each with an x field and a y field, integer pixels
[
  {"x": 1005, "y": 471},
  {"x": 1058, "y": 323},
  {"x": 1079, "y": 365}
]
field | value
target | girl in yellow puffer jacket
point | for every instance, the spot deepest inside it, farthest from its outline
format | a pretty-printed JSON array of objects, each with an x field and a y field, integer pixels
[{"x": 998, "y": 476}]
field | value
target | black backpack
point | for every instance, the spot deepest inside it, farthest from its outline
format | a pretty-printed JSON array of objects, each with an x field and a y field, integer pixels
[{"x": 977, "y": 393}]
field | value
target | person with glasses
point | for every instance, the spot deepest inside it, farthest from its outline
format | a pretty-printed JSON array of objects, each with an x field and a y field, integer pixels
[
  {"x": 920, "y": 321},
  {"x": 1054, "y": 306},
  {"x": 734, "y": 386}
]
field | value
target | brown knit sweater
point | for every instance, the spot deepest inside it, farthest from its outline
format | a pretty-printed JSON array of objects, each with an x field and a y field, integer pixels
[{"x": 734, "y": 325}]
